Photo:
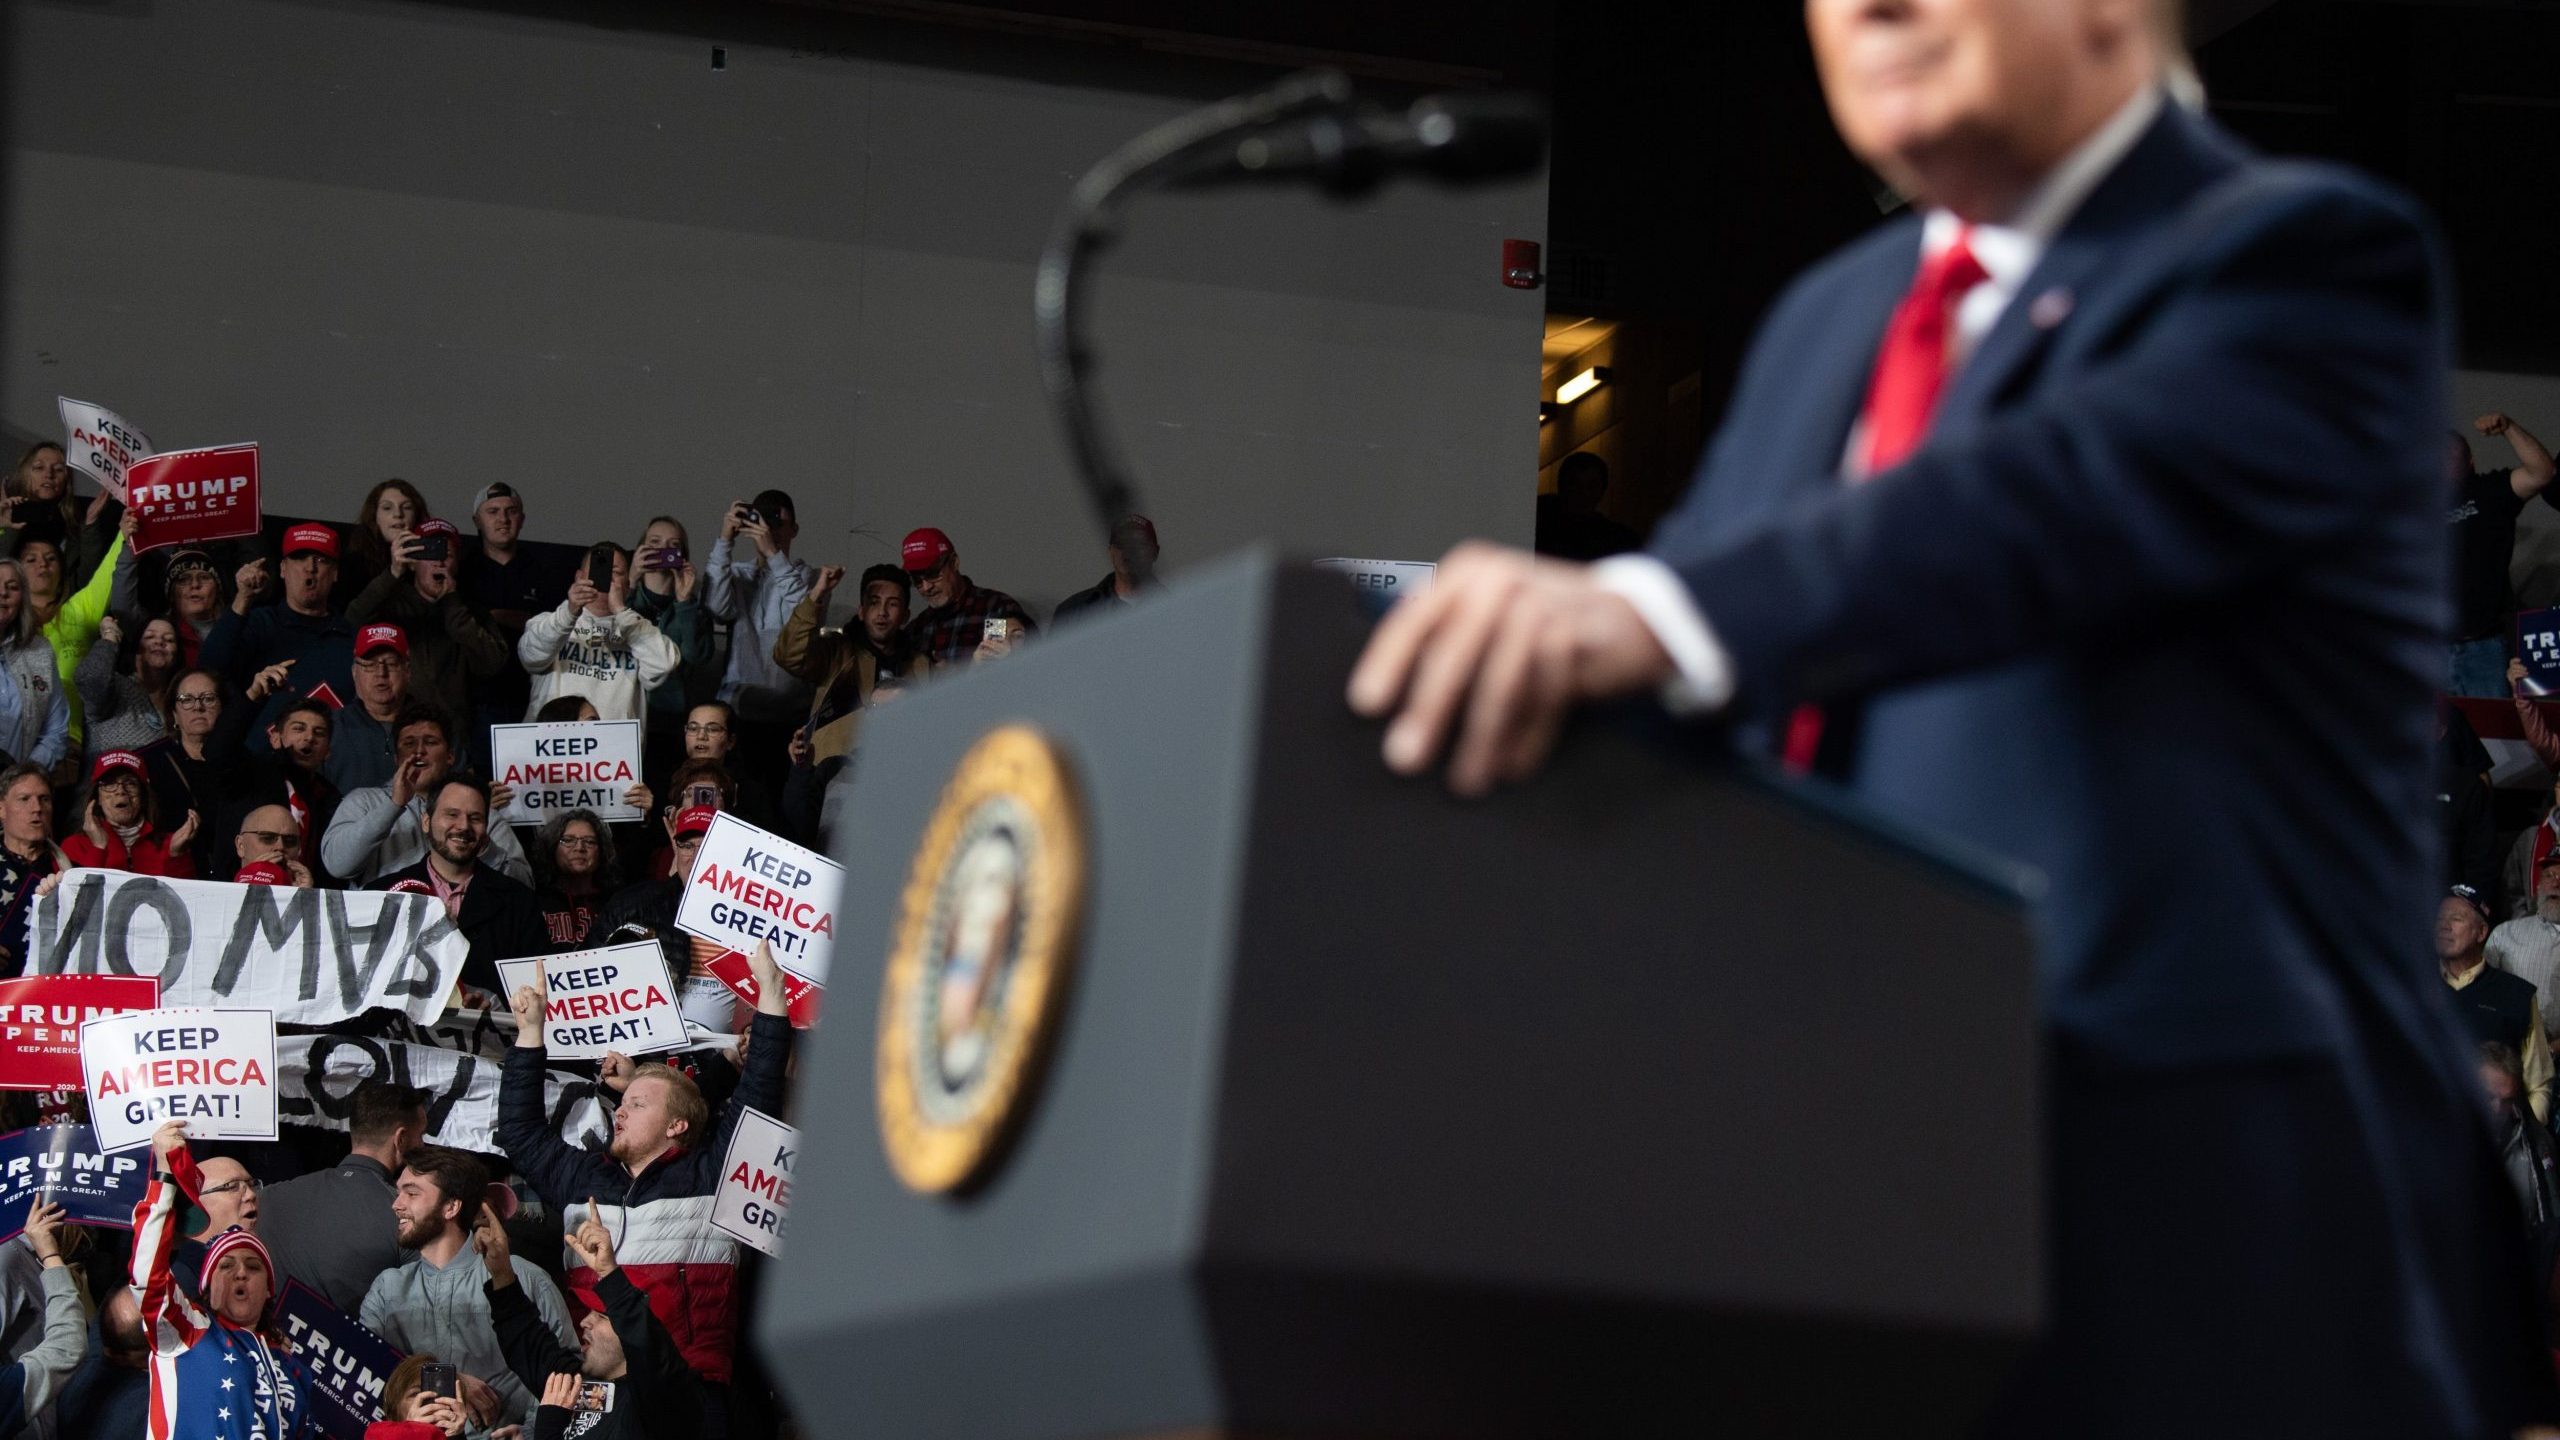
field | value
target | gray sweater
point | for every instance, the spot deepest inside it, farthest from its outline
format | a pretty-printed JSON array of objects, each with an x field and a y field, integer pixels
[{"x": 445, "y": 1313}]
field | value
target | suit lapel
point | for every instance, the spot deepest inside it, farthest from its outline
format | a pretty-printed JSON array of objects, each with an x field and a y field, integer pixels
[{"x": 2166, "y": 163}]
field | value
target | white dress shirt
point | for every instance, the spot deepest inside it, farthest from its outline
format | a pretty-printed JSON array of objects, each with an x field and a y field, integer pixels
[{"x": 2009, "y": 252}]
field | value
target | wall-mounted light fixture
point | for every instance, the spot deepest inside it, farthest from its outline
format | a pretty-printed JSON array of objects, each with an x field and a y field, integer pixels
[
  {"x": 1546, "y": 411},
  {"x": 1582, "y": 384}
]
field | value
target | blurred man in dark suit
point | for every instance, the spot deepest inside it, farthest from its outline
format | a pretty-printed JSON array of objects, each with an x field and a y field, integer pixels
[{"x": 2092, "y": 513}]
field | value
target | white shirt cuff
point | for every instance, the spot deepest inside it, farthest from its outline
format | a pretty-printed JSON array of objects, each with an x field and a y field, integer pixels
[{"x": 1703, "y": 683}]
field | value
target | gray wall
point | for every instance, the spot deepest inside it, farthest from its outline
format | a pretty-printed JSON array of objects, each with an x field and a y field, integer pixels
[{"x": 455, "y": 245}]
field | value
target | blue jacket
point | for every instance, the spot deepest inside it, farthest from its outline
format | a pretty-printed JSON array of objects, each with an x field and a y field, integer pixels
[
  {"x": 323, "y": 649},
  {"x": 2158, "y": 606}
]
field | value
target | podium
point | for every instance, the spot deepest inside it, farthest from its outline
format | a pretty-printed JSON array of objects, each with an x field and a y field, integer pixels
[{"x": 1653, "y": 1097}]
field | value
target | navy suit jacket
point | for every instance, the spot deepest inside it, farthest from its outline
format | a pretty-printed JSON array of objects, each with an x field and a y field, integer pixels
[{"x": 2157, "y": 608}]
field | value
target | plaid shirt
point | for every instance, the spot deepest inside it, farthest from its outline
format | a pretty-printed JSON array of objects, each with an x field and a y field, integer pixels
[{"x": 951, "y": 633}]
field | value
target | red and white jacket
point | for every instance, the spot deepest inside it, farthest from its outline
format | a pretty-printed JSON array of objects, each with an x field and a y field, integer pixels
[
  {"x": 660, "y": 1219},
  {"x": 210, "y": 1379}
]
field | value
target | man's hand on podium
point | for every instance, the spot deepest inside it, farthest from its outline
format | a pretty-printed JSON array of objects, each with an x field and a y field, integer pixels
[{"x": 1500, "y": 647}]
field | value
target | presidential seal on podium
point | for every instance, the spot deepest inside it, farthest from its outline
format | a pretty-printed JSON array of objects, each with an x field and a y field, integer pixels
[{"x": 980, "y": 960}]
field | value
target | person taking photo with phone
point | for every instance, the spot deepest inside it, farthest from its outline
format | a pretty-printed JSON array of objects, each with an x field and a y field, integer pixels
[
  {"x": 596, "y": 646},
  {"x": 756, "y": 599},
  {"x": 453, "y": 646}
]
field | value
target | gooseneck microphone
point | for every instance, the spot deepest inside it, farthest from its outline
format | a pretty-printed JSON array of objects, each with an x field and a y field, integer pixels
[{"x": 1304, "y": 129}]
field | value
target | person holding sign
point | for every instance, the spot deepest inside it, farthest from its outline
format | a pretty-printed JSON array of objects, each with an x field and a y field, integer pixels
[
  {"x": 222, "y": 1371},
  {"x": 661, "y": 1167},
  {"x": 40, "y": 502},
  {"x": 656, "y": 1394}
]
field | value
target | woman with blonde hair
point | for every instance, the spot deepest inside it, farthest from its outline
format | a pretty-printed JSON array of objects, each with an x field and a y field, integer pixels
[{"x": 39, "y": 505}]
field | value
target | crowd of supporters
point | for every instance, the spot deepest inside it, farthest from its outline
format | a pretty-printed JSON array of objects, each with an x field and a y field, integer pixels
[{"x": 312, "y": 707}]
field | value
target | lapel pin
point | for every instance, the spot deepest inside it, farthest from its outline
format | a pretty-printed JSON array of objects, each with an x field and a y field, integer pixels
[{"x": 2050, "y": 308}]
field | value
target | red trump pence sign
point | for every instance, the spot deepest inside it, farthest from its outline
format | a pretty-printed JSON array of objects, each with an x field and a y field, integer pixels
[
  {"x": 187, "y": 496},
  {"x": 749, "y": 886},
  {"x": 40, "y": 1020}
]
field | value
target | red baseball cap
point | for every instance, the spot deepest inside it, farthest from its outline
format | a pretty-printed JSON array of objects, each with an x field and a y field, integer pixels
[
  {"x": 694, "y": 819},
  {"x": 437, "y": 527},
  {"x": 923, "y": 549},
  {"x": 263, "y": 872},
  {"x": 116, "y": 760},
  {"x": 381, "y": 637},
  {"x": 312, "y": 538}
]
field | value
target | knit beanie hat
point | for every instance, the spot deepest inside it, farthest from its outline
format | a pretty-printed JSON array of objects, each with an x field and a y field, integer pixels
[{"x": 223, "y": 1244}]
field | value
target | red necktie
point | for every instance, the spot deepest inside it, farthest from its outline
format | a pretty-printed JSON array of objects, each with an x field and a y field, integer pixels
[{"x": 1902, "y": 398}]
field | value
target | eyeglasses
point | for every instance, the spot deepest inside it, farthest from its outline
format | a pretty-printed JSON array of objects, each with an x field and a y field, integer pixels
[
  {"x": 250, "y": 1183},
  {"x": 121, "y": 780},
  {"x": 693, "y": 729},
  {"x": 198, "y": 702},
  {"x": 381, "y": 664},
  {"x": 577, "y": 842},
  {"x": 278, "y": 838}
]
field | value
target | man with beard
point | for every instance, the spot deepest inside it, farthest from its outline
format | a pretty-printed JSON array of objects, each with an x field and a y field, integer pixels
[
  {"x": 654, "y": 1183},
  {"x": 383, "y": 828},
  {"x": 434, "y": 1303},
  {"x": 619, "y": 1340},
  {"x": 496, "y": 912}
]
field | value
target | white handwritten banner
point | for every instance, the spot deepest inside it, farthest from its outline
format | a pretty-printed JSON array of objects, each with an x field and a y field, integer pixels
[
  {"x": 618, "y": 998},
  {"x": 99, "y": 443},
  {"x": 214, "y": 1069},
  {"x": 313, "y": 957},
  {"x": 318, "y": 1075},
  {"x": 566, "y": 765},
  {"x": 754, "y": 1199},
  {"x": 749, "y": 885}
]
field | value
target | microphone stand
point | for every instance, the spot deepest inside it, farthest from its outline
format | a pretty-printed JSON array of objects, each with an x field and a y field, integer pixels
[{"x": 1085, "y": 228}]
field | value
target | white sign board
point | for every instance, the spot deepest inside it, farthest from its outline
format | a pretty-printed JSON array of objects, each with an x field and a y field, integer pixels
[
  {"x": 749, "y": 885},
  {"x": 99, "y": 443},
  {"x": 1382, "y": 583},
  {"x": 568, "y": 765},
  {"x": 618, "y": 998},
  {"x": 754, "y": 1199},
  {"x": 214, "y": 1069},
  {"x": 314, "y": 957}
]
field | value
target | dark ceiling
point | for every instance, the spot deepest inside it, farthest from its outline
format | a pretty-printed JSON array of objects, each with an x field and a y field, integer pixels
[{"x": 1695, "y": 169}]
